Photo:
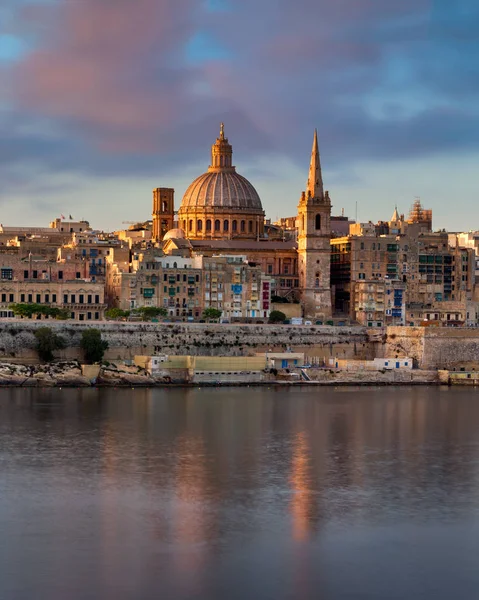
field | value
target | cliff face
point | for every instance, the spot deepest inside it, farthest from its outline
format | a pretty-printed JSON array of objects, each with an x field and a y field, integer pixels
[{"x": 126, "y": 340}]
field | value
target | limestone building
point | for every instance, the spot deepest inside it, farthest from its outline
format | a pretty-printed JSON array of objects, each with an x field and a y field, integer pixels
[
  {"x": 221, "y": 214},
  {"x": 314, "y": 239}
]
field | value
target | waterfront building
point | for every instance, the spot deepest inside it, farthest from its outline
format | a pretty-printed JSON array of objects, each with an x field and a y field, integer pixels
[
  {"x": 221, "y": 213},
  {"x": 437, "y": 279}
]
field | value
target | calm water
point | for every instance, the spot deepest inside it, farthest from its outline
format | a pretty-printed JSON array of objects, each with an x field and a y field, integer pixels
[{"x": 239, "y": 494}]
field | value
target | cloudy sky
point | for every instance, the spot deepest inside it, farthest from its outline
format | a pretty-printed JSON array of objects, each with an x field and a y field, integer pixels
[{"x": 102, "y": 100}]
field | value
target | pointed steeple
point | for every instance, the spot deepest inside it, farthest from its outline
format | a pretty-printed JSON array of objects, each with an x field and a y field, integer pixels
[
  {"x": 395, "y": 216},
  {"x": 314, "y": 187}
]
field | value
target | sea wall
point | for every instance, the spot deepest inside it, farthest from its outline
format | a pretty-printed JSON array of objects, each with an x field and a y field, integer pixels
[
  {"x": 435, "y": 347},
  {"x": 126, "y": 340}
]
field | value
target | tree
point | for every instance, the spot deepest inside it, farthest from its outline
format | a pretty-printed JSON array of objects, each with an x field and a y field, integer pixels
[
  {"x": 47, "y": 342},
  {"x": 92, "y": 345},
  {"x": 212, "y": 313},
  {"x": 276, "y": 316},
  {"x": 30, "y": 310},
  {"x": 117, "y": 313},
  {"x": 150, "y": 312}
]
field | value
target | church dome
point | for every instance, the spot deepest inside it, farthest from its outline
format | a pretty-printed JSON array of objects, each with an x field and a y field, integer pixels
[
  {"x": 174, "y": 234},
  {"x": 222, "y": 189},
  {"x": 221, "y": 204}
]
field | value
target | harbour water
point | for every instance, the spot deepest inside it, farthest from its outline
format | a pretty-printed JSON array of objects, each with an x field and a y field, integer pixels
[{"x": 239, "y": 493}]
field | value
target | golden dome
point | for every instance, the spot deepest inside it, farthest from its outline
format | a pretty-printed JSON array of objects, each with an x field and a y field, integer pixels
[{"x": 220, "y": 189}]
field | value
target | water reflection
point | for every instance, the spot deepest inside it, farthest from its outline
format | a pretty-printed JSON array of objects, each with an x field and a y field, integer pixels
[{"x": 189, "y": 490}]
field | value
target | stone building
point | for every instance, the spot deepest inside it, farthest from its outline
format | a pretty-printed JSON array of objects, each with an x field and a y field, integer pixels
[
  {"x": 438, "y": 280},
  {"x": 221, "y": 213},
  {"x": 314, "y": 235},
  {"x": 186, "y": 286}
]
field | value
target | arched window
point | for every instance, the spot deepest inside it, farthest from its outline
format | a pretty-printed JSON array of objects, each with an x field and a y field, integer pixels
[
  {"x": 250, "y": 226},
  {"x": 226, "y": 225},
  {"x": 317, "y": 282},
  {"x": 318, "y": 222},
  {"x": 217, "y": 225},
  {"x": 235, "y": 225},
  {"x": 302, "y": 223},
  {"x": 184, "y": 225},
  {"x": 191, "y": 225},
  {"x": 199, "y": 225},
  {"x": 208, "y": 225},
  {"x": 175, "y": 265},
  {"x": 164, "y": 206},
  {"x": 243, "y": 226}
]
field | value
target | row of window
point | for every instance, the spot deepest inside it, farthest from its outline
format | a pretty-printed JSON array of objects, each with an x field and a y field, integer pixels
[
  {"x": 51, "y": 298},
  {"x": 216, "y": 225}
]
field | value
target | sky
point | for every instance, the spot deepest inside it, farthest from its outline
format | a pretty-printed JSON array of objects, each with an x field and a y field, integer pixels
[{"x": 103, "y": 100}]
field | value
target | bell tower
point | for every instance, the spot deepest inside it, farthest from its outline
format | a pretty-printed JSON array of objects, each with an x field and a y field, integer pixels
[
  {"x": 163, "y": 212},
  {"x": 314, "y": 243}
]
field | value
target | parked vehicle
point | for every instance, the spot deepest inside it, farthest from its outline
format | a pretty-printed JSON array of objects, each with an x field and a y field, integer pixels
[{"x": 307, "y": 323}]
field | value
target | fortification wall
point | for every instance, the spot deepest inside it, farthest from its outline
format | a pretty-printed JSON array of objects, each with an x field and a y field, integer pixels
[
  {"x": 434, "y": 347},
  {"x": 17, "y": 340}
]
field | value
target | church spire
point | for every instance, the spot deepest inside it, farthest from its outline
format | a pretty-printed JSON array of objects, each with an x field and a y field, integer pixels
[{"x": 315, "y": 179}]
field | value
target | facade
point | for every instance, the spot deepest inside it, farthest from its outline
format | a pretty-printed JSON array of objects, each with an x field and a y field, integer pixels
[
  {"x": 186, "y": 286},
  {"x": 83, "y": 299},
  {"x": 430, "y": 281},
  {"x": 314, "y": 235}
]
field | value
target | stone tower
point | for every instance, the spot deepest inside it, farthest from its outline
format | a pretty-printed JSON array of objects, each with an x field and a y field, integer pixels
[
  {"x": 314, "y": 239},
  {"x": 163, "y": 212}
]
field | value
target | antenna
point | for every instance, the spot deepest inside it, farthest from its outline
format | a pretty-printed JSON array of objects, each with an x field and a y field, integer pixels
[{"x": 356, "y": 211}]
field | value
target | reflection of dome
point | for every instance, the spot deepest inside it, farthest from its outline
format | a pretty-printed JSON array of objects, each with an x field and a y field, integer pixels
[
  {"x": 227, "y": 190},
  {"x": 221, "y": 204},
  {"x": 174, "y": 234}
]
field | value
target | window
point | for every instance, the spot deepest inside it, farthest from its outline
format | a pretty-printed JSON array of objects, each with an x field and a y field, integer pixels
[
  {"x": 35, "y": 274},
  {"x": 4, "y": 297},
  {"x": 250, "y": 226},
  {"x": 270, "y": 269},
  {"x": 234, "y": 225},
  {"x": 208, "y": 225},
  {"x": 25, "y": 275},
  {"x": 78, "y": 275},
  {"x": 60, "y": 274},
  {"x": 199, "y": 225},
  {"x": 88, "y": 316},
  {"x": 190, "y": 225},
  {"x": 73, "y": 299},
  {"x": 82, "y": 298},
  {"x": 47, "y": 298},
  {"x": 97, "y": 316},
  {"x": 54, "y": 298},
  {"x": 97, "y": 299},
  {"x": 7, "y": 274},
  {"x": 12, "y": 298},
  {"x": 22, "y": 297},
  {"x": 226, "y": 224},
  {"x": 217, "y": 225},
  {"x": 30, "y": 298},
  {"x": 362, "y": 246},
  {"x": 38, "y": 299},
  {"x": 89, "y": 298},
  {"x": 317, "y": 222},
  {"x": 243, "y": 226}
]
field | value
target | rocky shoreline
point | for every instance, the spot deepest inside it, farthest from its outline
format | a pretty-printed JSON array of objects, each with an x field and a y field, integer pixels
[{"x": 73, "y": 374}]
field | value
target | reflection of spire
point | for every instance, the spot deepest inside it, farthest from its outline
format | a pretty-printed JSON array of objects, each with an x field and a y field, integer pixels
[
  {"x": 315, "y": 178},
  {"x": 301, "y": 487}
]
